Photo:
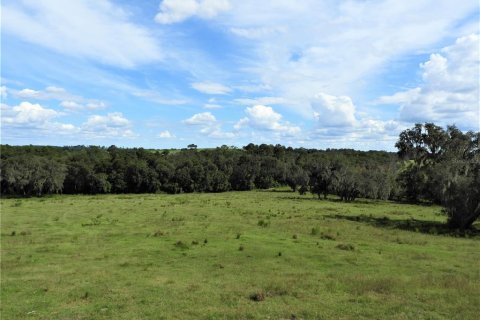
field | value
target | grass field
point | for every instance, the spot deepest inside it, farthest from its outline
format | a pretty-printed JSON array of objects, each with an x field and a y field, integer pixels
[{"x": 237, "y": 255}]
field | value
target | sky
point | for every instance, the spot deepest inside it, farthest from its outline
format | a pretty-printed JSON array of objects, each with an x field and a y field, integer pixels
[{"x": 304, "y": 73}]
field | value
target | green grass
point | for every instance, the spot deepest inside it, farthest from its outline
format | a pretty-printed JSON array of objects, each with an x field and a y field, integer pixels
[{"x": 212, "y": 256}]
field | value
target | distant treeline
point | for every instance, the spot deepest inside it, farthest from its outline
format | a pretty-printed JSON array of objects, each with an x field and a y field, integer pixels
[
  {"x": 432, "y": 163},
  {"x": 38, "y": 170}
]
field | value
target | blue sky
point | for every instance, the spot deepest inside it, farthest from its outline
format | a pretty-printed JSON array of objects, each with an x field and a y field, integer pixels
[{"x": 164, "y": 74}]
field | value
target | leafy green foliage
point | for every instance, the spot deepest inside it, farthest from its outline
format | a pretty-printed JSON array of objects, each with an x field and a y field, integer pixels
[{"x": 444, "y": 168}]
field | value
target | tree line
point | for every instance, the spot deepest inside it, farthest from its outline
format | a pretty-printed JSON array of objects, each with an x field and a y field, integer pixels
[{"x": 432, "y": 164}]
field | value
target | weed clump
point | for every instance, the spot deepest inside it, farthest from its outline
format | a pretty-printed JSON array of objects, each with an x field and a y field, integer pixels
[
  {"x": 314, "y": 231},
  {"x": 238, "y": 236},
  {"x": 194, "y": 242},
  {"x": 346, "y": 247},
  {"x": 263, "y": 223},
  {"x": 295, "y": 237},
  {"x": 13, "y": 233},
  {"x": 25, "y": 233},
  {"x": 257, "y": 296},
  {"x": 241, "y": 248},
  {"x": 327, "y": 236},
  {"x": 181, "y": 245},
  {"x": 158, "y": 233}
]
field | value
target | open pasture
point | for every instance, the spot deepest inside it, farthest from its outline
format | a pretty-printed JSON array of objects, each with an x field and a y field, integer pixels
[{"x": 234, "y": 255}]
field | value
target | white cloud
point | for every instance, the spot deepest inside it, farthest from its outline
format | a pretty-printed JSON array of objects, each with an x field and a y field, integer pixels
[
  {"x": 28, "y": 94},
  {"x": 299, "y": 48},
  {"x": 166, "y": 135},
  {"x": 155, "y": 96},
  {"x": 115, "y": 119},
  {"x": 265, "y": 118},
  {"x": 256, "y": 33},
  {"x": 449, "y": 92},
  {"x": 172, "y": 11},
  {"x": 27, "y": 116},
  {"x": 217, "y": 133},
  {"x": 75, "y": 106},
  {"x": 212, "y": 106},
  {"x": 55, "y": 90},
  {"x": 211, "y": 88},
  {"x": 113, "y": 124},
  {"x": 332, "y": 111},
  {"x": 400, "y": 97},
  {"x": 28, "y": 119},
  {"x": 262, "y": 101},
  {"x": 49, "y": 93},
  {"x": 366, "y": 134},
  {"x": 209, "y": 126},
  {"x": 3, "y": 92},
  {"x": 97, "y": 30},
  {"x": 68, "y": 101},
  {"x": 204, "y": 118},
  {"x": 27, "y": 113}
]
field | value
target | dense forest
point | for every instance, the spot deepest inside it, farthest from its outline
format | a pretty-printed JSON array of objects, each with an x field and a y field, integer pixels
[{"x": 432, "y": 164}]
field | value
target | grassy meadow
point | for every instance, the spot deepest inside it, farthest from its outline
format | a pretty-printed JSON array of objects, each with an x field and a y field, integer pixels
[{"x": 235, "y": 255}]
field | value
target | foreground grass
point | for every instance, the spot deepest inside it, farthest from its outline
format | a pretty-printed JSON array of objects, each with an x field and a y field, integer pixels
[{"x": 210, "y": 256}]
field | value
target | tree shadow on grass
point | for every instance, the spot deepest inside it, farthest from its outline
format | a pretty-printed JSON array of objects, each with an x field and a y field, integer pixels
[
  {"x": 413, "y": 225},
  {"x": 331, "y": 198}
]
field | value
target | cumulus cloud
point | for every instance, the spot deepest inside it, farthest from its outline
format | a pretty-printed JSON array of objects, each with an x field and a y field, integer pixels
[
  {"x": 97, "y": 30},
  {"x": 262, "y": 117},
  {"x": 333, "y": 111},
  {"x": 211, "y": 88},
  {"x": 366, "y": 134},
  {"x": 28, "y": 116},
  {"x": 113, "y": 124},
  {"x": 209, "y": 125},
  {"x": 27, "y": 112},
  {"x": 204, "y": 118},
  {"x": 172, "y": 11},
  {"x": 337, "y": 121},
  {"x": 166, "y": 135},
  {"x": 449, "y": 91}
]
